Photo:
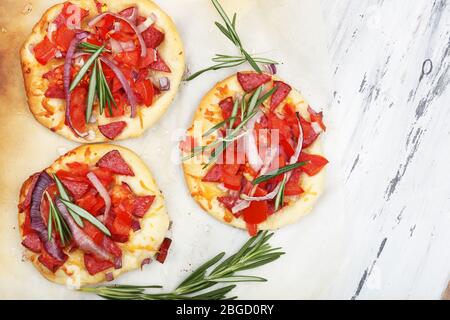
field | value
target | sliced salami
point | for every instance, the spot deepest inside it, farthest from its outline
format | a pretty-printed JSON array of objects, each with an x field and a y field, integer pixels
[
  {"x": 142, "y": 204},
  {"x": 252, "y": 80},
  {"x": 153, "y": 37},
  {"x": 113, "y": 129},
  {"x": 159, "y": 65},
  {"x": 280, "y": 94},
  {"x": 114, "y": 162}
]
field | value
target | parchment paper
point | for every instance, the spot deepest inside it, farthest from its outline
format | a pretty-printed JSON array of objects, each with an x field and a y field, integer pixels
[{"x": 291, "y": 31}]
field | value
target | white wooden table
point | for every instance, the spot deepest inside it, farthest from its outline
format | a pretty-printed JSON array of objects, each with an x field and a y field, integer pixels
[{"x": 395, "y": 135}]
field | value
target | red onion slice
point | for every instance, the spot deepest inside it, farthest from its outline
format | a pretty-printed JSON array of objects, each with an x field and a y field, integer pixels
[
  {"x": 132, "y": 25},
  {"x": 102, "y": 191},
  {"x": 124, "y": 83},
  {"x": 127, "y": 46},
  {"x": 251, "y": 149},
  {"x": 83, "y": 241},
  {"x": 115, "y": 46},
  {"x": 66, "y": 78},
  {"x": 37, "y": 222},
  {"x": 164, "y": 84},
  {"x": 240, "y": 205},
  {"x": 271, "y": 68},
  {"x": 130, "y": 13}
]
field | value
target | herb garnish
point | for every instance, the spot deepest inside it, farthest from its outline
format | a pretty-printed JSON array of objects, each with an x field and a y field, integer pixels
[
  {"x": 228, "y": 28},
  {"x": 98, "y": 85},
  {"x": 255, "y": 253},
  {"x": 54, "y": 218},
  {"x": 278, "y": 172},
  {"x": 77, "y": 212},
  {"x": 248, "y": 110}
]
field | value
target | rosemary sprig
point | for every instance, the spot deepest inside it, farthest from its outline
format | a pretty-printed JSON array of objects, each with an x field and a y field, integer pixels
[
  {"x": 279, "y": 200},
  {"x": 254, "y": 253},
  {"x": 54, "y": 218},
  {"x": 77, "y": 212},
  {"x": 275, "y": 173},
  {"x": 228, "y": 28},
  {"x": 64, "y": 196},
  {"x": 84, "y": 69}
]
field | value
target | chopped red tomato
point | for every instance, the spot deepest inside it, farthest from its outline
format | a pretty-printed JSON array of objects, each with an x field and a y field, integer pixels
[
  {"x": 164, "y": 250},
  {"x": 78, "y": 168},
  {"x": 94, "y": 266},
  {"x": 293, "y": 187},
  {"x": 145, "y": 92},
  {"x": 121, "y": 226},
  {"x": 232, "y": 182},
  {"x": 309, "y": 135},
  {"x": 256, "y": 213},
  {"x": 130, "y": 58},
  {"x": 93, "y": 232},
  {"x": 315, "y": 163},
  {"x": 104, "y": 175},
  {"x": 63, "y": 37},
  {"x": 146, "y": 61},
  {"x": 78, "y": 108},
  {"x": 44, "y": 51},
  {"x": 228, "y": 201},
  {"x": 118, "y": 109},
  {"x": 252, "y": 229},
  {"x": 91, "y": 202}
]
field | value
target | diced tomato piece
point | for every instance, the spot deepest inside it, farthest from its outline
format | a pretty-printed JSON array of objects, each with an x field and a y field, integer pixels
[
  {"x": 78, "y": 108},
  {"x": 287, "y": 147},
  {"x": 293, "y": 187},
  {"x": 122, "y": 36},
  {"x": 232, "y": 182},
  {"x": 49, "y": 262},
  {"x": 63, "y": 37},
  {"x": 160, "y": 65},
  {"x": 104, "y": 175},
  {"x": 107, "y": 22},
  {"x": 93, "y": 232},
  {"x": 164, "y": 250},
  {"x": 317, "y": 117},
  {"x": 252, "y": 229},
  {"x": 252, "y": 80},
  {"x": 88, "y": 201},
  {"x": 112, "y": 130},
  {"x": 118, "y": 110},
  {"x": 215, "y": 174},
  {"x": 114, "y": 162},
  {"x": 142, "y": 205},
  {"x": 256, "y": 213},
  {"x": 94, "y": 266},
  {"x": 280, "y": 94},
  {"x": 153, "y": 37},
  {"x": 315, "y": 163},
  {"x": 120, "y": 194},
  {"x": 145, "y": 92},
  {"x": 130, "y": 58},
  {"x": 78, "y": 168},
  {"x": 45, "y": 51},
  {"x": 121, "y": 226},
  {"x": 32, "y": 242}
]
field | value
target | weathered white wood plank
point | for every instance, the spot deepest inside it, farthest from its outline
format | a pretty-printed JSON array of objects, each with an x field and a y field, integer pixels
[{"x": 394, "y": 119}]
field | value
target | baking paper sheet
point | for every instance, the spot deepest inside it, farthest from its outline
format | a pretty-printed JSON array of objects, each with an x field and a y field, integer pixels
[{"x": 290, "y": 31}]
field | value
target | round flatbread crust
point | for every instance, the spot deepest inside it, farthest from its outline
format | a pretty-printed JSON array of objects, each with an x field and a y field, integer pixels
[
  {"x": 205, "y": 194},
  {"x": 50, "y": 112},
  {"x": 142, "y": 244}
]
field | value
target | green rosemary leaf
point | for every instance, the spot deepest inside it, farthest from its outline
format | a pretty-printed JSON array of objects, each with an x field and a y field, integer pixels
[
  {"x": 225, "y": 32},
  {"x": 255, "y": 252},
  {"x": 86, "y": 215},
  {"x": 251, "y": 61},
  {"x": 219, "y": 66},
  {"x": 84, "y": 69},
  {"x": 91, "y": 93},
  {"x": 280, "y": 171},
  {"x": 64, "y": 196},
  {"x": 279, "y": 200},
  {"x": 218, "y": 126},
  {"x": 234, "y": 113},
  {"x": 100, "y": 88}
]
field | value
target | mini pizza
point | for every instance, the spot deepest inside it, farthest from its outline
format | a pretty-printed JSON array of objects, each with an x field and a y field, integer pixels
[
  {"x": 97, "y": 71},
  {"x": 95, "y": 213},
  {"x": 252, "y": 157}
]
